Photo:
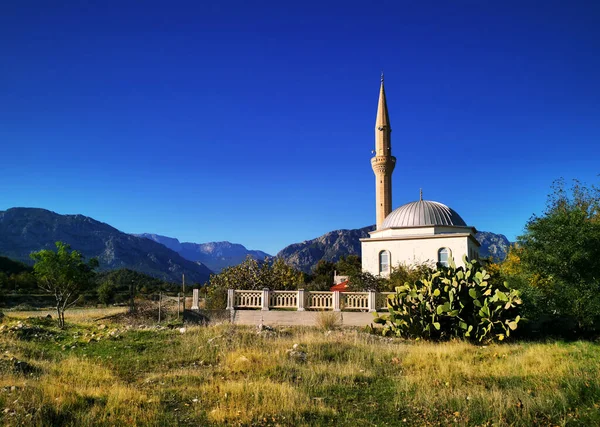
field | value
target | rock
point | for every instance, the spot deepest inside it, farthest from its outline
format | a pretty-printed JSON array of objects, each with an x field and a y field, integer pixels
[
  {"x": 182, "y": 330},
  {"x": 102, "y": 327},
  {"x": 297, "y": 354}
]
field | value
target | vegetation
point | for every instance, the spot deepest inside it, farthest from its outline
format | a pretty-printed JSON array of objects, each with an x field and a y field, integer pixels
[
  {"x": 556, "y": 264},
  {"x": 16, "y": 277},
  {"x": 63, "y": 274},
  {"x": 251, "y": 274},
  {"x": 115, "y": 286},
  {"x": 453, "y": 302},
  {"x": 105, "y": 374}
]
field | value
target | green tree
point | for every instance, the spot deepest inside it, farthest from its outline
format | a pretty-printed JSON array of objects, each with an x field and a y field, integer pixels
[
  {"x": 558, "y": 259},
  {"x": 107, "y": 292},
  {"x": 404, "y": 273},
  {"x": 63, "y": 274},
  {"x": 322, "y": 277},
  {"x": 252, "y": 275}
]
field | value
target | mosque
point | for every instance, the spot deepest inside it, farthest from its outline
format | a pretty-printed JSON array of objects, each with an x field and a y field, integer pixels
[{"x": 418, "y": 232}]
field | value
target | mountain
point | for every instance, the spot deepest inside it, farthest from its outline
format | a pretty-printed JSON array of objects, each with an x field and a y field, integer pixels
[
  {"x": 493, "y": 245},
  {"x": 215, "y": 255},
  {"x": 25, "y": 230},
  {"x": 331, "y": 246}
]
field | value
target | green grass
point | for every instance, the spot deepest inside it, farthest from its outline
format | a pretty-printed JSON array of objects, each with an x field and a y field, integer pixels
[{"x": 226, "y": 375}]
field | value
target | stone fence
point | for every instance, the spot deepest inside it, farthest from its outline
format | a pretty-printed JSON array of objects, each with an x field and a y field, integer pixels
[{"x": 302, "y": 300}]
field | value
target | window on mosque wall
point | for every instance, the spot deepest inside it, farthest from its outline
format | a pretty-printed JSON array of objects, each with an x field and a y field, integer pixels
[
  {"x": 384, "y": 262},
  {"x": 443, "y": 256}
]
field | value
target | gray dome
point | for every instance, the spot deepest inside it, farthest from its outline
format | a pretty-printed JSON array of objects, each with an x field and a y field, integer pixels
[{"x": 422, "y": 213}]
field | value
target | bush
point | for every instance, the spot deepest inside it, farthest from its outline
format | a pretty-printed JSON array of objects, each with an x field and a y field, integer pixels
[
  {"x": 453, "y": 302},
  {"x": 328, "y": 320},
  {"x": 107, "y": 292}
]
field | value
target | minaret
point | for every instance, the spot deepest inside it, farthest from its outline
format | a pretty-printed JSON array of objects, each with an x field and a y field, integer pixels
[{"x": 383, "y": 163}]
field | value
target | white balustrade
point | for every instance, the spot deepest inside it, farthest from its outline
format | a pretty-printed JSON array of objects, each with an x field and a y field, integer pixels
[
  {"x": 248, "y": 299},
  {"x": 283, "y": 299},
  {"x": 304, "y": 300},
  {"x": 320, "y": 300},
  {"x": 355, "y": 300}
]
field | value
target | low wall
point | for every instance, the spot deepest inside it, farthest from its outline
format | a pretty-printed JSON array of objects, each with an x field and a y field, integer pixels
[{"x": 297, "y": 318}]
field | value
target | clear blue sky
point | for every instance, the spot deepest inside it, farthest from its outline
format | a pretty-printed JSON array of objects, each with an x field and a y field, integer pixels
[{"x": 253, "y": 122}]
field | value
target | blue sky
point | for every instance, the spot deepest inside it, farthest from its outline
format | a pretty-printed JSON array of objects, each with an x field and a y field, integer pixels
[{"x": 253, "y": 122}]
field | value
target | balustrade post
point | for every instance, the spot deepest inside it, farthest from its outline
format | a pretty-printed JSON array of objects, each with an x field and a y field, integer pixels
[
  {"x": 195, "y": 299},
  {"x": 336, "y": 301},
  {"x": 230, "y": 299},
  {"x": 372, "y": 301},
  {"x": 265, "y": 300},
  {"x": 300, "y": 300}
]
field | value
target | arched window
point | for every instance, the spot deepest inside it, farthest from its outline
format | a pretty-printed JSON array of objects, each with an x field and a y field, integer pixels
[
  {"x": 384, "y": 262},
  {"x": 443, "y": 255}
]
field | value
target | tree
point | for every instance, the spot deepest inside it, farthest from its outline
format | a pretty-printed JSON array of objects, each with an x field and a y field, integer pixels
[
  {"x": 107, "y": 292},
  {"x": 64, "y": 274},
  {"x": 252, "y": 275},
  {"x": 558, "y": 258},
  {"x": 405, "y": 273}
]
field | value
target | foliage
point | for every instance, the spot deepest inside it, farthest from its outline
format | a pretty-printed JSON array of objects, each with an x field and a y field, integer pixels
[
  {"x": 107, "y": 292},
  {"x": 453, "y": 302},
  {"x": 404, "y": 273},
  {"x": 123, "y": 278},
  {"x": 557, "y": 262},
  {"x": 63, "y": 274},
  {"x": 362, "y": 281},
  {"x": 322, "y": 277},
  {"x": 252, "y": 275},
  {"x": 16, "y": 276}
]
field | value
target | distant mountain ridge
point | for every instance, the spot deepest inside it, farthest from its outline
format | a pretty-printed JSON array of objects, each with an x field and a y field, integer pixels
[
  {"x": 215, "y": 255},
  {"x": 331, "y": 246},
  {"x": 25, "y": 230}
]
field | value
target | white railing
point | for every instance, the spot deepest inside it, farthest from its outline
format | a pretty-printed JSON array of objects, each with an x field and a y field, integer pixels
[
  {"x": 305, "y": 300},
  {"x": 320, "y": 300},
  {"x": 355, "y": 300},
  {"x": 248, "y": 299},
  {"x": 283, "y": 299}
]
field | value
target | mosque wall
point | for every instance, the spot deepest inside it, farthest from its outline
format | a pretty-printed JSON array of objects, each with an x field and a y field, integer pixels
[{"x": 413, "y": 251}]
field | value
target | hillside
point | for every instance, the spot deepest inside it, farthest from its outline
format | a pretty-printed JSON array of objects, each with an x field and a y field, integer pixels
[
  {"x": 330, "y": 247},
  {"x": 215, "y": 255},
  {"x": 25, "y": 230}
]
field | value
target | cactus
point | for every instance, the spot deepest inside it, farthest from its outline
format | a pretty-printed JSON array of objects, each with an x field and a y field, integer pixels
[{"x": 453, "y": 302}]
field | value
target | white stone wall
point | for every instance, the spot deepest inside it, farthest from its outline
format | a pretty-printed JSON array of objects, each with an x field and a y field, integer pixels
[{"x": 411, "y": 251}]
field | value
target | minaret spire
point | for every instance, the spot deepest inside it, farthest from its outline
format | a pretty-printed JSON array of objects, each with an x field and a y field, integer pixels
[{"x": 383, "y": 163}]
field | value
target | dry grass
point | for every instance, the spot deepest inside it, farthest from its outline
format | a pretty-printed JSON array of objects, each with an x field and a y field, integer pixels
[
  {"x": 77, "y": 315},
  {"x": 225, "y": 375},
  {"x": 328, "y": 320}
]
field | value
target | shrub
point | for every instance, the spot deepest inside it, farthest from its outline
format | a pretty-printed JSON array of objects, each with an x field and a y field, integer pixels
[
  {"x": 328, "y": 320},
  {"x": 453, "y": 302}
]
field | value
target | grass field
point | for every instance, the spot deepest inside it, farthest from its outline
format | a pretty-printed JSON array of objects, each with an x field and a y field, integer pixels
[{"x": 97, "y": 373}]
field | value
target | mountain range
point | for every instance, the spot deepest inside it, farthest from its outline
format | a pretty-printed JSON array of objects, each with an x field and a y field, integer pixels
[
  {"x": 25, "y": 230},
  {"x": 215, "y": 255}
]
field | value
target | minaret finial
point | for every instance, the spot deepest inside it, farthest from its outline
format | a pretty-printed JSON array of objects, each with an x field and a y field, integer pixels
[
  {"x": 420, "y": 194},
  {"x": 381, "y": 76}
]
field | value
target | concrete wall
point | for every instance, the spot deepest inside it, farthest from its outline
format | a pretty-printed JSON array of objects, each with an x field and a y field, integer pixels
[{"x": 297, "y": 318}]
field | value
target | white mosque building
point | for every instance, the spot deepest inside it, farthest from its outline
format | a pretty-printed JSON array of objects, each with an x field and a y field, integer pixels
[{"x": 418, "y": 232}]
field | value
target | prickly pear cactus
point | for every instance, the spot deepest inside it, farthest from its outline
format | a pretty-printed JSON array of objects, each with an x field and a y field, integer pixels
[{"x": 453, "y": 302}]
